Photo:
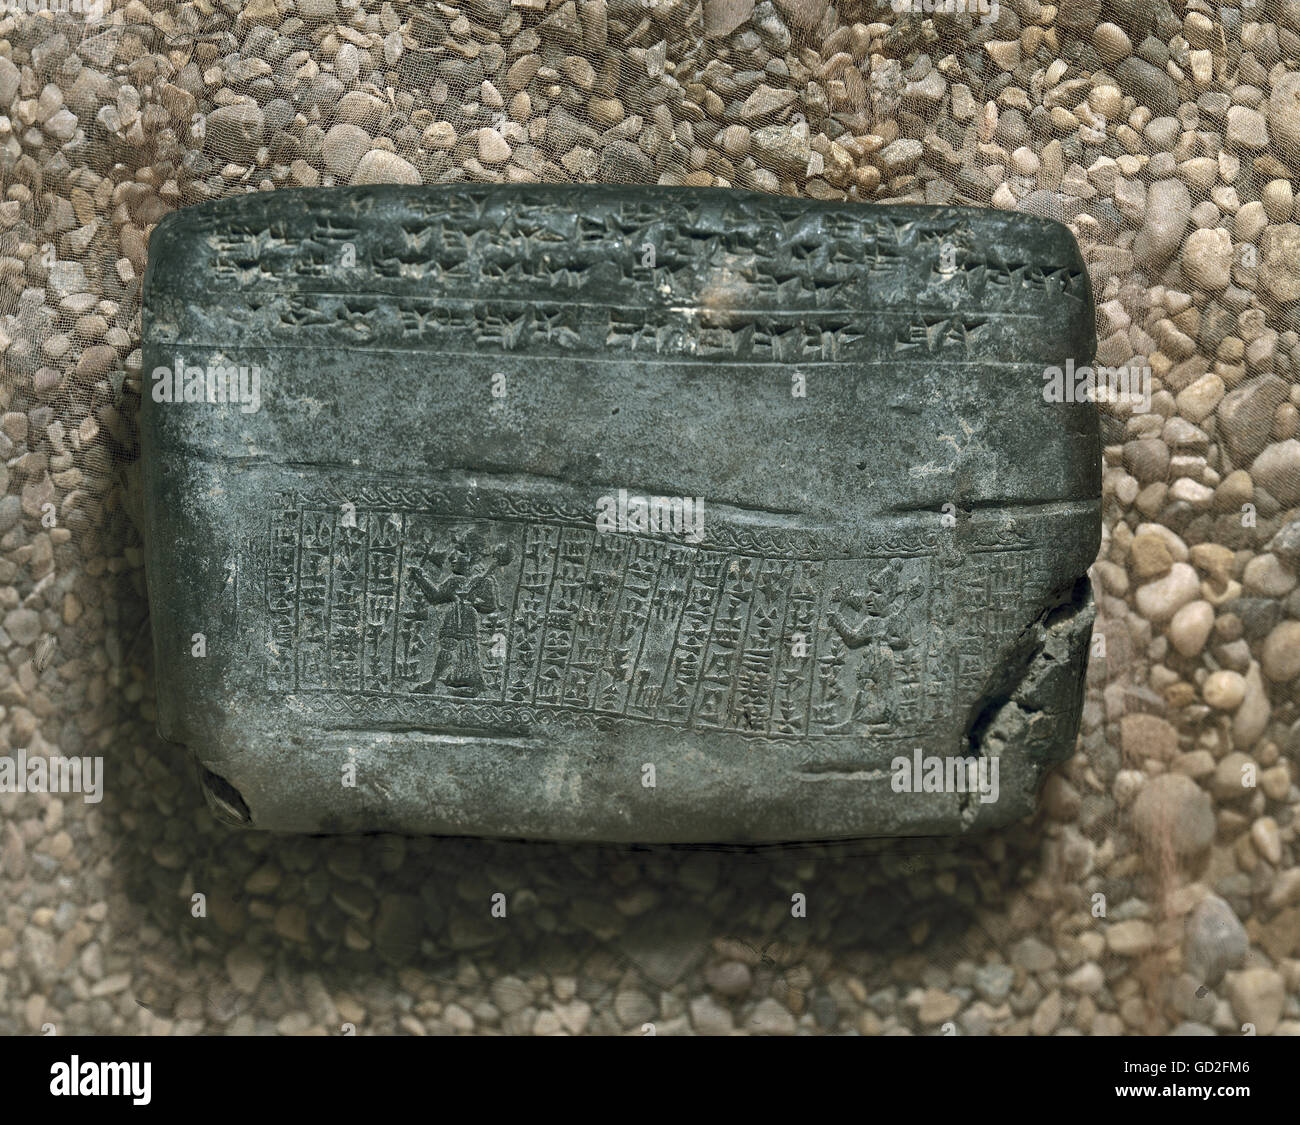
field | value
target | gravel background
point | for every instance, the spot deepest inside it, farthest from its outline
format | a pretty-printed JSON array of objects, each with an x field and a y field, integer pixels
[{"x": 1166, "y": 135}]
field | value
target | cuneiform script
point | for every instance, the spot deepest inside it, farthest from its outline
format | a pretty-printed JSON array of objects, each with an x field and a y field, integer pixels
[
  {"x": 481, "y": 271},
  {"x": 412, "y": 598}
]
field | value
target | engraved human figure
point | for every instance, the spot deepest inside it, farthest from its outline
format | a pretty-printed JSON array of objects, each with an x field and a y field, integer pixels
[
  {"x": 880, "y": 625},
  {"x": 467, "y": 594}
]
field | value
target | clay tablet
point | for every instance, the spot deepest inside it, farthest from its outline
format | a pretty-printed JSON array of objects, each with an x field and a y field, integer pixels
[{"x": 623, "y": 514}]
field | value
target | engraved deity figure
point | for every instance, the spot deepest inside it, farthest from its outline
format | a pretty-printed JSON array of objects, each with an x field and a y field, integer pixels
[
  {"x": 880, "y": 624},
  {"x": 467, "y": 593}
]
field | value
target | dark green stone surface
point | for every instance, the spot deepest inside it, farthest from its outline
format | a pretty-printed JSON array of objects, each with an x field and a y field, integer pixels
[{"x": 395, "y": 569}]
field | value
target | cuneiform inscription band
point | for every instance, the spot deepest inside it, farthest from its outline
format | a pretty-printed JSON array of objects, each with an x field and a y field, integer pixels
[{"x": 482, "y": 607}]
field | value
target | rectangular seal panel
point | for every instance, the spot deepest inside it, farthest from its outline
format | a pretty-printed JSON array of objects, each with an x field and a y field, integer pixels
[{"x": 653, "y": 514}]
